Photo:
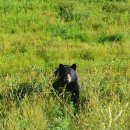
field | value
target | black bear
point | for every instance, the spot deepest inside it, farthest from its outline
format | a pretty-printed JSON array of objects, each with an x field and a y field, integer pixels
[{"x": 67, "y": 76}]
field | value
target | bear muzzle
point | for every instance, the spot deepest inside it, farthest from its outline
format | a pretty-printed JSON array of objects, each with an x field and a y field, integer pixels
[{"x": 67, "y": 79}]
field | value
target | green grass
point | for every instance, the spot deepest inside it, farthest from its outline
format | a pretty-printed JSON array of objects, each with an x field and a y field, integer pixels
[{"x": 36, "y": 36}]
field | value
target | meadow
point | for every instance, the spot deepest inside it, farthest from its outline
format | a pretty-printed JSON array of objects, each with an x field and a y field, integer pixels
[{"x": 36, "y": 36}]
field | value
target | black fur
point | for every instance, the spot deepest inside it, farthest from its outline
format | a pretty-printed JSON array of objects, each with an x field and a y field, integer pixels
[{"x": 72, "y": 86}]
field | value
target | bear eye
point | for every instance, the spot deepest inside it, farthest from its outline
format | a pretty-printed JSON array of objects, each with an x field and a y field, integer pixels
[{"x": 69, "y": 71}]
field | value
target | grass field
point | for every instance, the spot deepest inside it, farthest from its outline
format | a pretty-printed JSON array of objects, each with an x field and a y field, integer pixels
[{"x": 36, "y": 36}]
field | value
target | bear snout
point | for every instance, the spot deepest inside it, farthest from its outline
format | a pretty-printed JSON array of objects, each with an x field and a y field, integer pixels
[{"x": 67, "y": 79}]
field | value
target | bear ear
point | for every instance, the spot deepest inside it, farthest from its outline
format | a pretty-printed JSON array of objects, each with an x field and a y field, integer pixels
[
  {"x": 73, "y": 66},
  {"x": 61, "y": 66}
]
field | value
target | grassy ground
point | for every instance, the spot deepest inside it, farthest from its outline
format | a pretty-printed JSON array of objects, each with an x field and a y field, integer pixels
[{"x": 37, "y": 35}]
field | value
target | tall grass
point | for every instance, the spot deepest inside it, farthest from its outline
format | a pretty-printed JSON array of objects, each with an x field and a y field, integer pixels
[{"x": 35, "y": 36}]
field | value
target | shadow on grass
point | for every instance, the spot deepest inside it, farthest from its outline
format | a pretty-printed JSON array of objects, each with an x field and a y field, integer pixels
[
  {"x": 117, "y": 37},
  {"x": 18, "y": 93}
]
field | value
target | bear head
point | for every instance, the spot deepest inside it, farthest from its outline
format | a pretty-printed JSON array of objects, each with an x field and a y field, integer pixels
[{"x": 66, "y": 73}]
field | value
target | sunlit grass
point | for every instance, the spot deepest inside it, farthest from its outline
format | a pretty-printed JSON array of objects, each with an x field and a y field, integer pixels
[{"x": 35, "y": 36}]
